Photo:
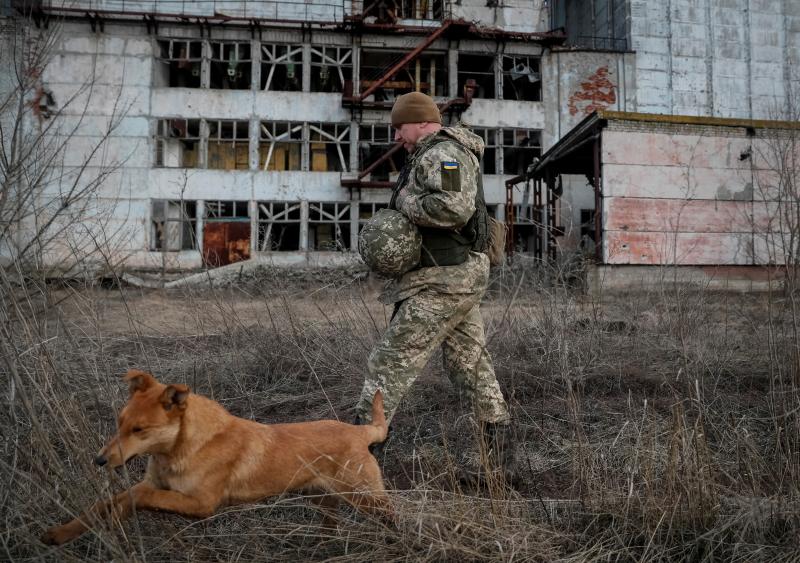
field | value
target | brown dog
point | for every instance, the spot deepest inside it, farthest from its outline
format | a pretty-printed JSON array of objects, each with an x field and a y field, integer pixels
[{"x": 202, "y": 457}]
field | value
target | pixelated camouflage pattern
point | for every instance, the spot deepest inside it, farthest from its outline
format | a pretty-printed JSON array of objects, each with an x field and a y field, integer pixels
[
  {"x": 423, "y": 200},
  {"x": 439, "y": 306},
  {"x": 422, "y": 323},
  {"x": 389, "y": 243}
]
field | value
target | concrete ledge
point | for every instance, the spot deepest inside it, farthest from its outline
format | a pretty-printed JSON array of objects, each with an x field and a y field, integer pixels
[{"x": 604, "y": 277}]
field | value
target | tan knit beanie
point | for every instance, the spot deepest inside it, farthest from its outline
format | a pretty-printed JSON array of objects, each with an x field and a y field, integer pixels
[{"x": 415, "y": 107}]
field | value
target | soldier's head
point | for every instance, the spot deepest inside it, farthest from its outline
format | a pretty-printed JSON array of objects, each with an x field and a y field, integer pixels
[{"x": 414, "y": 116}]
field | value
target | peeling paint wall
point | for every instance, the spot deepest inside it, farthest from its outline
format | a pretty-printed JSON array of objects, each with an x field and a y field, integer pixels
[{"x": 691, "y": 195}]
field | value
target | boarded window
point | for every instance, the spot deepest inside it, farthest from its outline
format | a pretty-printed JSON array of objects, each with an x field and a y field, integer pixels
[
  {"x": 180, "y": 63},
  {"x": 172, "y": 225},
  {"x": 329, "y": 147},
  {"x": 489, "y": 160},
  {"x": 329, "y": 226},
  {"x": 226, "y": 232},
  {"x": 231, "y": 65},
  {"x": 228, "y": 145},
  {"x": 281, "y": 67},
  {"x": 280, "y": 145},
  {"x": 520, "y": 146},
  {"x": 177, "y": 143},
  {"x": 331, "y": 67},
  {"x": 479, "y": 68},
  {"x": 278, "y": 226},
  {"x": 373, "y": 141},
  {"x": 522, "y": 79}
]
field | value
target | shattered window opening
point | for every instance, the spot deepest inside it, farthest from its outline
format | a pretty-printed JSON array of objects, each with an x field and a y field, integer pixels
[
  {"x": 389, "y": 11},
  {"x": 329, "y": 147},
  {"x": 280, "y": 146},
  {"x": 479, "y": 68},
  {"x": 181, "y": 63},
  {"x": 522, "y": 79},
  {"x": 226, "y": 211},
  {"x": 373, "y": 141},
  {"x": 228, "y": 145},
  {"x": 231, "y": 65},
  {"x": 489, "y": 160},
  {"x": 281, "y": 67},
  {"x": 329, "y": 226},
  {"x": 172, "y": 225},
  {"x": 331, "y": 67},
  {"x": 278, "y": 226},
  {"x": 427, "y": 73},
  {"x": 526, "y": 227},
  {"x": 520, "y": 147},
  {"x": 226, "y": 232},
  {"x": 177, "y": 143}
]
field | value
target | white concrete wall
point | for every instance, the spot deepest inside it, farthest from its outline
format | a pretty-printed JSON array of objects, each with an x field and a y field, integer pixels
[{"x": 723, "y": 58}]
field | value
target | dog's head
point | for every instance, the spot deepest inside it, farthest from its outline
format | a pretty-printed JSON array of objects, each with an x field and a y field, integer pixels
[{"x": 149, "y": 423}]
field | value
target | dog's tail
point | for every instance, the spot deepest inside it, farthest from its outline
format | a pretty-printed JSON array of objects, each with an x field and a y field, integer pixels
[{"x": 379, "y": 427}]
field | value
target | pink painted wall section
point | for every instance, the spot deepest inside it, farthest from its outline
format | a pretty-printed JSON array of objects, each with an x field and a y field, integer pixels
[
  {"x": 656, "y": 248},
  {"x": 673, "y": 215},
  {"x": 676, "y": 182},
  {"x": 660, "y": 149}
]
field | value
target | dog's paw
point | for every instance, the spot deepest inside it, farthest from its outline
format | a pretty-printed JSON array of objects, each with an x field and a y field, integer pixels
[{"x": 56, "y": 536}]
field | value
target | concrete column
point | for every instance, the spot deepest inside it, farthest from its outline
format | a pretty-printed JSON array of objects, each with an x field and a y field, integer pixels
[
  {"x": 303, "y": 225},
  {"x": 205, "y": 66},
  {"x": 200, "y": 210},
  {"x": 452, "y": 73},
  {"x": 255, "y": 126},
  {"x": 354, "y": 135},
  {"x": 305, "y": 148},
  {"x": 306, "y": 67},
  {"x": 354, "y": 225},
  {"x": 253, "y": 206},
  {"x": 255, "y": 54},
  {"x": 498, "y": 75},
  {"x": 202, "y": 158}
]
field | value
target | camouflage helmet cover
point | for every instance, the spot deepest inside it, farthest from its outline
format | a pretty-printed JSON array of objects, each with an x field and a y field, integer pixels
[{"x": 389, "y": 243}]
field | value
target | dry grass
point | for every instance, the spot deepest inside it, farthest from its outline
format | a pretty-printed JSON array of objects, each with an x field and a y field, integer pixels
[{"x": 657, "y": 425}]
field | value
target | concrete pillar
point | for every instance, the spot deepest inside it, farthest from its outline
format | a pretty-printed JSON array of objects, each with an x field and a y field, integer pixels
[
  {"x": 200, "y": 211},
  {"x": 354, "y": 225},
  {"x": 202, "y": 158},
  {"x": 452, "y": 73},
  {"x": 253, "y": 206},
  {"x": 255, "y": 127},
  {"x": 306, "y": 67},
  {"x": 303, "y": 225},
  {"x": 255, "y": 54},
  {"x": 205, "y": 66}
]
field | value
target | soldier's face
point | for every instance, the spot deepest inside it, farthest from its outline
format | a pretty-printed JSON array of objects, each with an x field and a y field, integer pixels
[{"x": 410, "y": 133}]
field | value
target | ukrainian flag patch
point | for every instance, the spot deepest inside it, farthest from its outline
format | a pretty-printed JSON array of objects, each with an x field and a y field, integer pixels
[
  {"x": 449, "y": 165},
  {"x": 451, "y": 176}
]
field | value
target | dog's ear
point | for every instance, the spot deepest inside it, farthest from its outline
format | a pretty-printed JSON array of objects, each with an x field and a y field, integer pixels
[
  {"x": 175, "y": 395},
  {"x": 139, "y": 380}
]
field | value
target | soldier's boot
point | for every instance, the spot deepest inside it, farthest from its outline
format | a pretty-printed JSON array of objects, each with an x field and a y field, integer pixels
[
  {"x": 501, "y": 448},
  {"x": 375, "y": 449}
]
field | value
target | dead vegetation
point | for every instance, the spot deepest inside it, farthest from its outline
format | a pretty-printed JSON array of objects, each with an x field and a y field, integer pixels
[{"x": 657, "y": 425}]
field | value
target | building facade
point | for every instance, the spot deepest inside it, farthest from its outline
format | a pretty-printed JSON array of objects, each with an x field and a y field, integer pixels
[{"x": 209, "y": 132}]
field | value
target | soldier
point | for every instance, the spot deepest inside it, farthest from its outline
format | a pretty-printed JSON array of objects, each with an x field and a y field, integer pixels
[{"x": 437, "y": 303}]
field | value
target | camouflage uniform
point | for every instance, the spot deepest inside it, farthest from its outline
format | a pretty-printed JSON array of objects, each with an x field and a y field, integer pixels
[{"x": 438, "y": 305}]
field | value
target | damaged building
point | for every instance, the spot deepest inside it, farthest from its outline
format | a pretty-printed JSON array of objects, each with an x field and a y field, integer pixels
[{"x": 235, "y": 130}]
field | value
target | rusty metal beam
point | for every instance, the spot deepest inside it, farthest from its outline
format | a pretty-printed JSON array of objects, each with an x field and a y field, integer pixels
[
  {"x": 405, "y": 60},
  {"x": 380, "y": 160}
]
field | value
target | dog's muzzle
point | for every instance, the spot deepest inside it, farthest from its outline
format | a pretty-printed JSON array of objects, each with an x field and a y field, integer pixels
[{"x": 100, "y": 460}]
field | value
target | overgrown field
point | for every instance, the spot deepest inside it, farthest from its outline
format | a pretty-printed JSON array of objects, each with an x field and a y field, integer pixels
[{"x": 654, "y": 425}]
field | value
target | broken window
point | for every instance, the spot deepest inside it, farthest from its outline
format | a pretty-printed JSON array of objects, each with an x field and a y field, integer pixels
[
  {"x": 330, "y": 147},
  {"x": 331, "y": 67},
  {"x": 280, "y": 145},
  {"x": 177, "y": 143},
  {"x": 278, "y": 226},
  {"x": 522, "y": 79},
  {"x": 226, "y": 232},
  {"x": 373, "y": 142},
  {"x": 479, "y": 68},
  {"x": 281, "y": 67},
  {"x": 520, "y": 146},
  {"x": 329, "y": 226},
  {"x": 231, "y": 65},
  {"x": 389, "y": 11},
  {"x": 180, "y": 63},
  {"x": 228, "y": 145},
  {"x": 172, "y": 225},
  {"x": 489, "y": 160},
  {"x": 526, "y": 229},
  {"x": 427, "y": 73}
]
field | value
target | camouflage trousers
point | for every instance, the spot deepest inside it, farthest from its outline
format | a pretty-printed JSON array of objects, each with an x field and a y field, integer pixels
[{"x": 421, "y": 324}]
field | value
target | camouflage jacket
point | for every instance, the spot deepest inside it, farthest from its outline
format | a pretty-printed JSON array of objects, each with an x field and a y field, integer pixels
[{"x": 438, "y": 189}]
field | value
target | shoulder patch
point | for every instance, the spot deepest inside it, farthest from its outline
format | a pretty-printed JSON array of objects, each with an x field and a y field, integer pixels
[{"x": 451, "y": 176}]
